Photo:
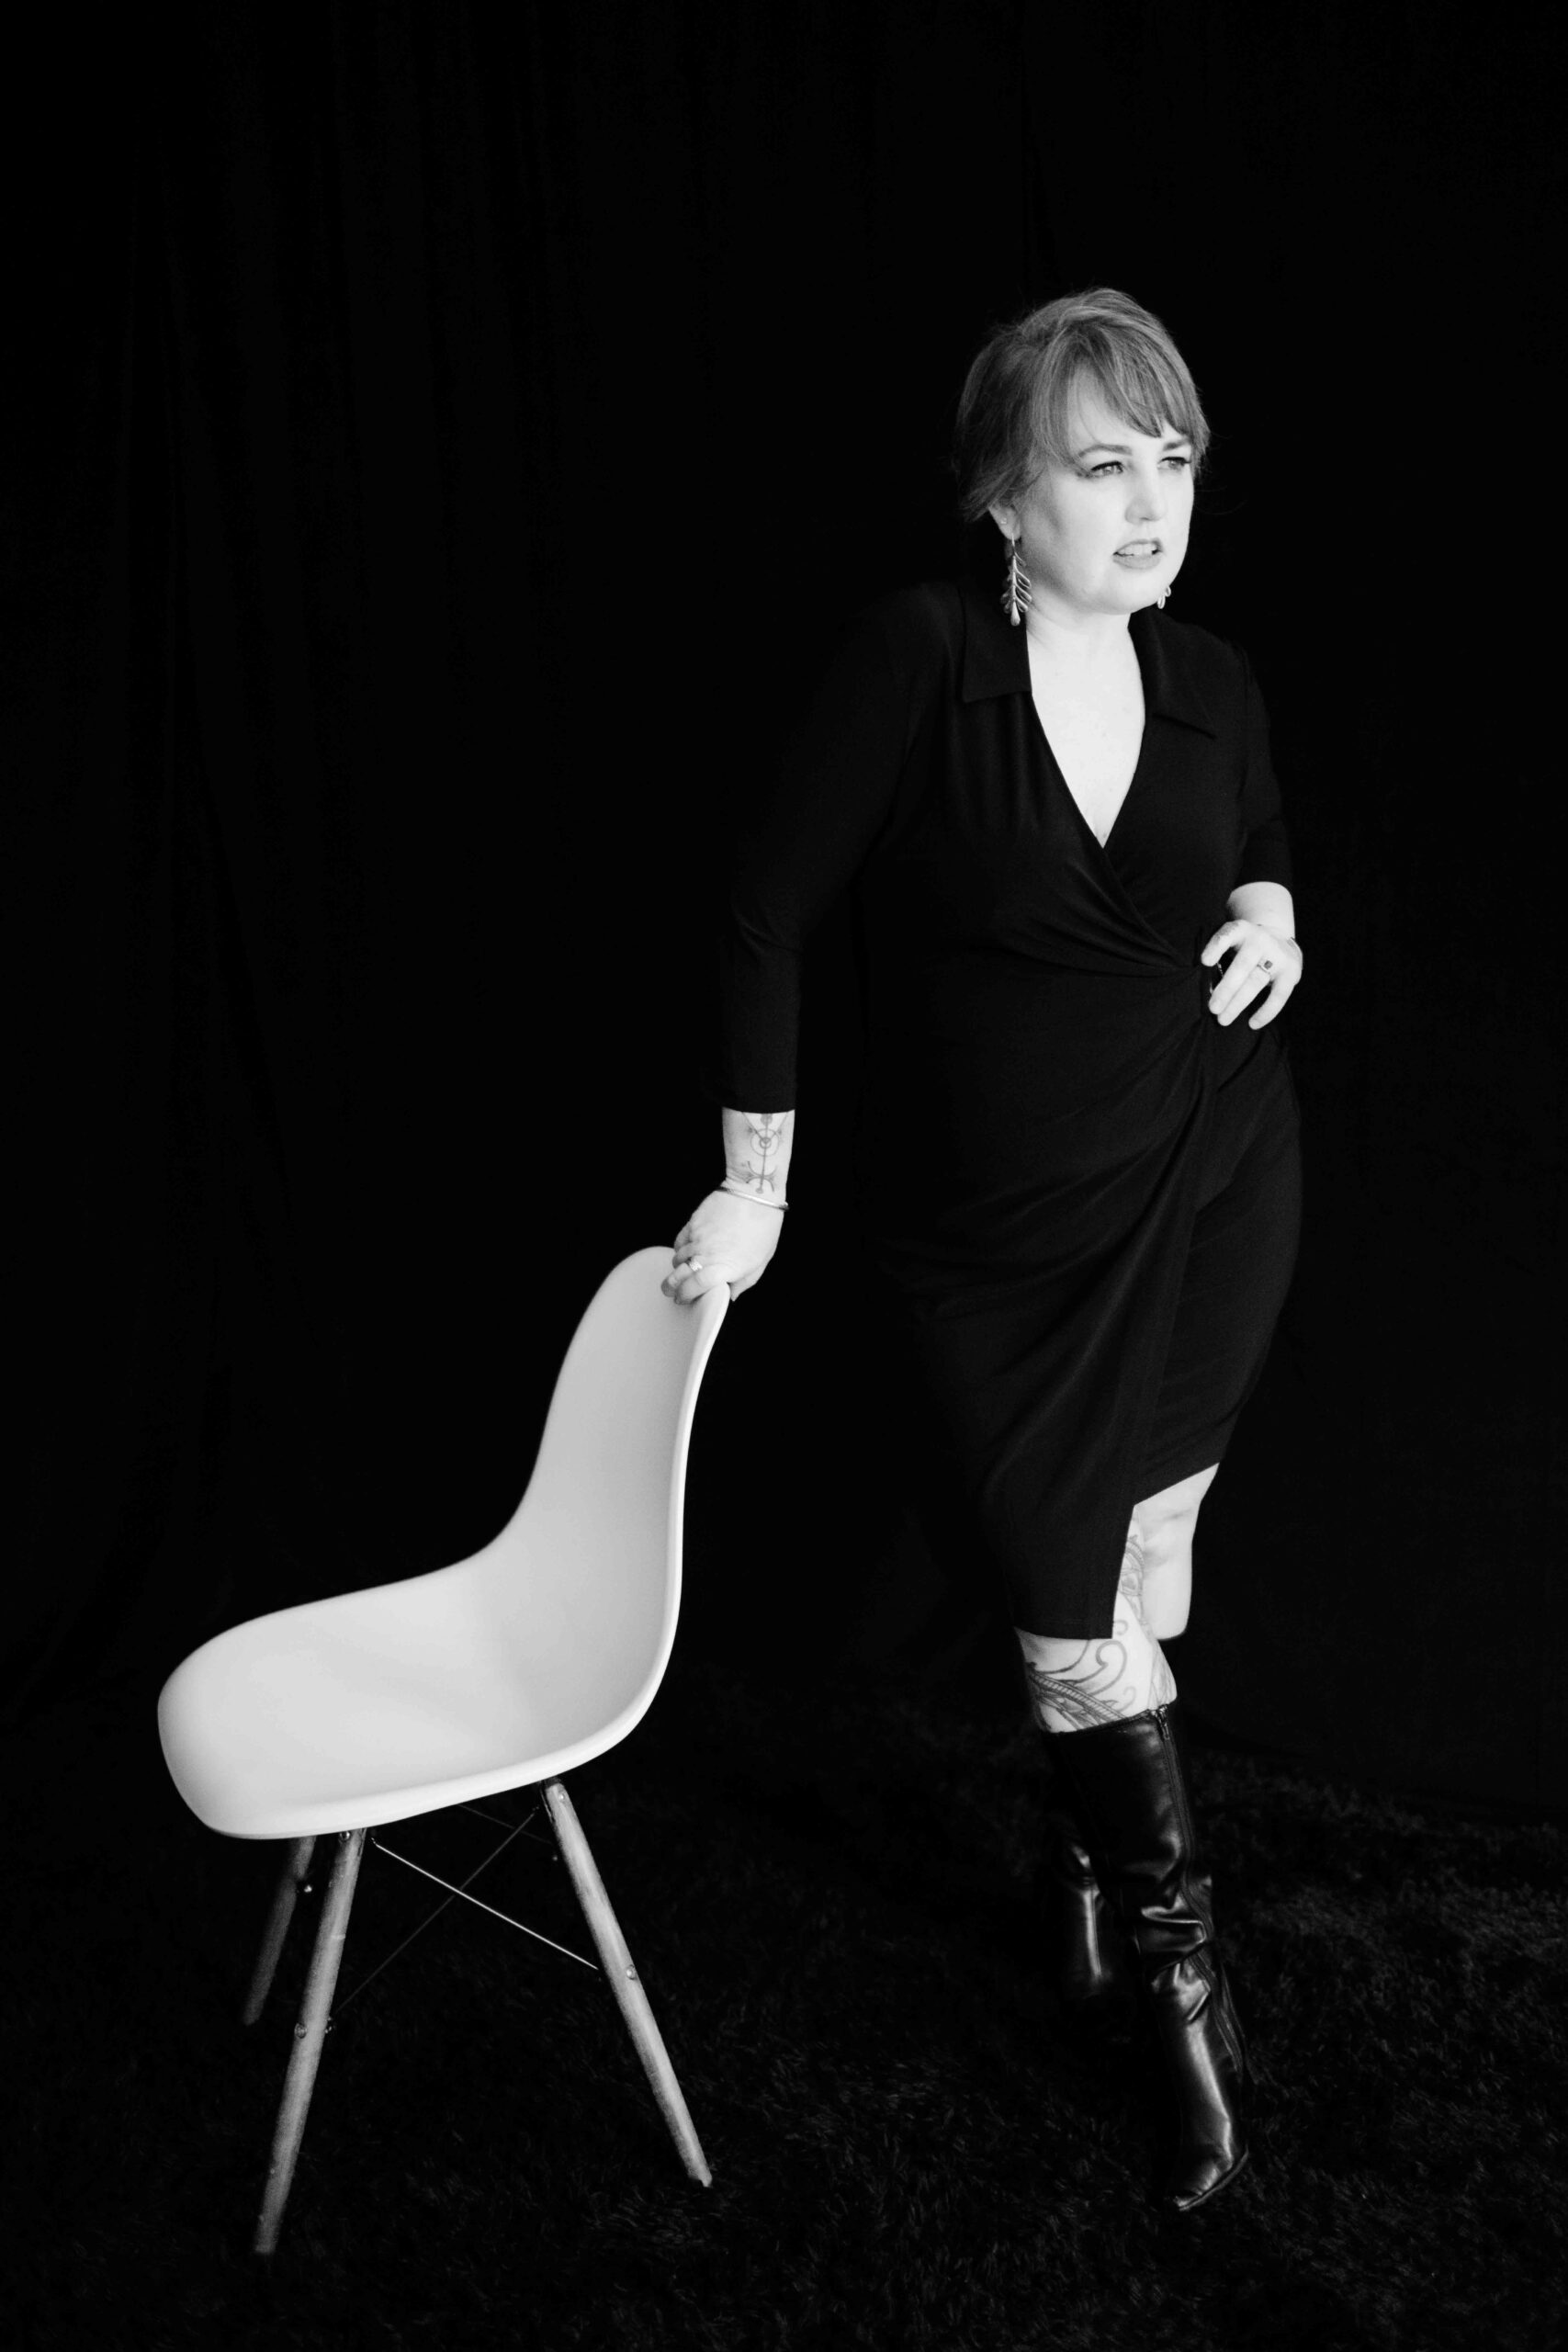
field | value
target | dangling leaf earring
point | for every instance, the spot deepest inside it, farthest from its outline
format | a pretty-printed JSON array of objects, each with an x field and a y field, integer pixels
[{"x": 1015, "y": 595}]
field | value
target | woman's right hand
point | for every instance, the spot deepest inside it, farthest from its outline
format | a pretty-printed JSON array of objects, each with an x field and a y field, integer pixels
[{"x": 732, "y": 1241}]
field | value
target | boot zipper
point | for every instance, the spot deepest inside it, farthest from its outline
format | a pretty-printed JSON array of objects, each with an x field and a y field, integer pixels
[
  {"x": 1218, "y": 1991},
  {"x": 1179, "y": 1784}
]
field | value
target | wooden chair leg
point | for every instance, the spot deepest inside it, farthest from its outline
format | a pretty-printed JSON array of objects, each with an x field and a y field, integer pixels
[
  {"x": 296, "y": 1864},
  {"x": 624, "y": 1981},
  {"x": 308, "y": 2035}
]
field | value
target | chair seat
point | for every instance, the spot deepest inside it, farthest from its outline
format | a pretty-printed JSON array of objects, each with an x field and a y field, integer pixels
[
  {"x": 375, "y": 1706},
  {"x": 503, "y": 1669}
]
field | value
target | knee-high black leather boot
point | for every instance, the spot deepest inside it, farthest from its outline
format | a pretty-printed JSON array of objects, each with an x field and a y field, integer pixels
[
  {"x": 1084, "y": 1953},
  {"x": 1129, "y": 1788}
]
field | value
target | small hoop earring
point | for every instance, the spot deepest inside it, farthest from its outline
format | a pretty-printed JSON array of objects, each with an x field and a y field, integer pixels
[{"x": 1016, "y": 594}]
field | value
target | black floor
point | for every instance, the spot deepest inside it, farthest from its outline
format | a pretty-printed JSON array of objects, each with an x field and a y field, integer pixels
[{"x": 826, "y": 1888}]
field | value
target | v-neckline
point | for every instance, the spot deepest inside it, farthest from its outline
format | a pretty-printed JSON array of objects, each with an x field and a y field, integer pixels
[{"x": 1102, "y": 846}]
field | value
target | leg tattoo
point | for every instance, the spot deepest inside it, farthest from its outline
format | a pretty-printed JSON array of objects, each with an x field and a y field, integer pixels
[
  {"x": 1129, "y": 1589},
  {"x": 1075, "y": 1684}
]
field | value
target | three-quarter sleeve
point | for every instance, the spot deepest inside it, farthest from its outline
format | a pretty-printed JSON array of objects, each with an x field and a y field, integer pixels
[
  {"x": 795, "y": 849},
  {"x": 1265, "y": 848}
]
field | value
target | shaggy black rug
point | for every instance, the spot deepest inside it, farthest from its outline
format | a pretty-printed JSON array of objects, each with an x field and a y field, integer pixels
[{"x": 826, "y": 1889}]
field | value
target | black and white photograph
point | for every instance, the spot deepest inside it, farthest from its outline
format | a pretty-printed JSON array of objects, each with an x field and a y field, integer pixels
[{"x": 787, "y": 1299}]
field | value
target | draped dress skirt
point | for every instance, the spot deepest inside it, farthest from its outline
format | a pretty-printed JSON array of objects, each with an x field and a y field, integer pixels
[{"x": 1080, "y": 1196}]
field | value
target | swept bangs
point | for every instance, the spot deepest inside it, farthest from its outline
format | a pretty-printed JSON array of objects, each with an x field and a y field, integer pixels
[{"x": 1014, "y": 409}]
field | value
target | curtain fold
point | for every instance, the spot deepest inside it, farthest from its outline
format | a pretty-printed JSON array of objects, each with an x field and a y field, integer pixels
[{"x": 444, "y": 442}]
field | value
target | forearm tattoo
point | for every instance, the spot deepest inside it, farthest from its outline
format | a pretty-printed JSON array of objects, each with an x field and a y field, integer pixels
[
  {"x": 757, "y": 1170},
  {"x": 1109, "y": 1676}
]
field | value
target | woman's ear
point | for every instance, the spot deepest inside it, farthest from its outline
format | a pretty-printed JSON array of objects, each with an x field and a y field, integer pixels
[{"x": 1007, "y": 520}]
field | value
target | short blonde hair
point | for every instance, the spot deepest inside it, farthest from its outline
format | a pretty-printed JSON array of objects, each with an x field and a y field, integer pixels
[{"x": 1013, "y": 411}]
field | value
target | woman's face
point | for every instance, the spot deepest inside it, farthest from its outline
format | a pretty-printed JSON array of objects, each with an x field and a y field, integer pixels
[{"x": 1107, "y": 532}]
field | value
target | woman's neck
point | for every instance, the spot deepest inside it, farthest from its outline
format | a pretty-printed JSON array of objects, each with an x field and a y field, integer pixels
[{"x": 1082, "y": 644}]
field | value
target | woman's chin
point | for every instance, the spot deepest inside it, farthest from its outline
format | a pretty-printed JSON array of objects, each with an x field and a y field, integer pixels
[
  {"x": 1145, "y": 590},
  {"x": 1134, "y": 594}
]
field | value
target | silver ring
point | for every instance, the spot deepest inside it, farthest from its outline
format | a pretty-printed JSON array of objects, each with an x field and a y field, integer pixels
[
  {"x": 693, "y": 1265},
  {"x": 1268, "y": 963}
]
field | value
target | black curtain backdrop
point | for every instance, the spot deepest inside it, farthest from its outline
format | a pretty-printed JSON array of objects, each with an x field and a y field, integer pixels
[{"x": 440, "y": 440}]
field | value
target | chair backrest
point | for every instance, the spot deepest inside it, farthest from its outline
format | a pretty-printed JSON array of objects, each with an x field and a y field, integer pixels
[{"x": 588, "y": 1570}]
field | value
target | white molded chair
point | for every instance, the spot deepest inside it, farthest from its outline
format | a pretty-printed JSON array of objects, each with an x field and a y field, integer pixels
[{"x": 505, "y": 1671}]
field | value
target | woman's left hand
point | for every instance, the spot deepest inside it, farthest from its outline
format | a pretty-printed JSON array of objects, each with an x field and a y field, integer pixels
[{"x": 1265, "y": 963}]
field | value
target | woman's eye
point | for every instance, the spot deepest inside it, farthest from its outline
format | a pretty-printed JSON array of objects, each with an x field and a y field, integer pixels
[{"x": 1114, "y": 465}]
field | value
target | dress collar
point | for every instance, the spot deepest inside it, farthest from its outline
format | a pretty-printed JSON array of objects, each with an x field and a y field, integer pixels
[{"x": 995, "y": 659}]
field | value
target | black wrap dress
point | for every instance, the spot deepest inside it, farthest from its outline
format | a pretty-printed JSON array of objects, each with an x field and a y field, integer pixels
[{"x": 1080, "y": 1196}]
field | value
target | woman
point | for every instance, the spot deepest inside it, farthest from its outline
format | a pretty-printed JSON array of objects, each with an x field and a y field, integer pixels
[{"x": 1078, "y": 1163}]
